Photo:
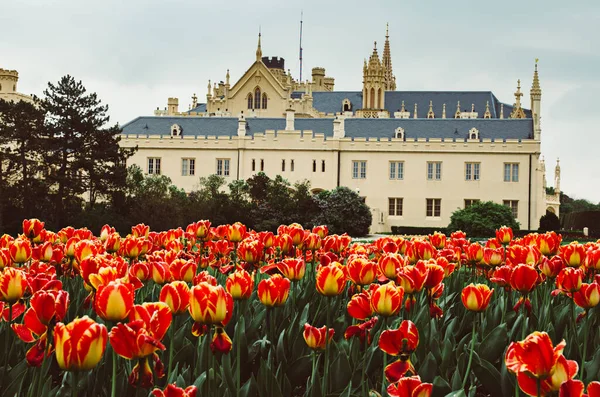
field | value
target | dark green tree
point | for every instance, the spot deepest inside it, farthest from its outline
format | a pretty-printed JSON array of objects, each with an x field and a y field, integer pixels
[
  {"x": 549, "y": 222},
  {"x": 22, "y": 180},
  {"x": 482, "y": 219},
  {"x": 343, "y": 211},
  {"x": 81, "y": 151}
]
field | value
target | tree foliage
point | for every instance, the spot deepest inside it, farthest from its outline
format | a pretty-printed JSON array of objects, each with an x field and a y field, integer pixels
[
  {"x": 344, "y": 211},
  {"x": 482, "y": 219},
  {"x": 568, "y": 205},
  {"x": 549, "y": 222}
]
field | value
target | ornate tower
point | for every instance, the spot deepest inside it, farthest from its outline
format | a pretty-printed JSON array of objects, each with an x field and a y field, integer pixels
[
  {"x": 517, "y": 112},
  {"x": 557, "y": 177},
  {"x": 258, "y": 49},
  {"x": 374, "y": 83},
  {"x": 8, "y": 81},
  {"x": 536, "y": 103},
  {"x": 390, "y": 79}
]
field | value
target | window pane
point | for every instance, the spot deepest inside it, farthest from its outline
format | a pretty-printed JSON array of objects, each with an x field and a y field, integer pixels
[
  {"x": 157, "y": 166},
  {"x": 515, "y": 172},
  {"x": 292, "y": 165},
  {"x": 438, "y": 207},
  {"x": 429, "y": 170},
  {"x": 219, "y": 167},
  {"x": 506, "y": 172},
  {"x": 192, "y": 167},
  {"x": 399, "y": 207},
  {"x": 392, "y": 170},
  {"x": 355, "y": 169},
  {"x": 429, "y": 211},
  {"x": 392, "y": 206},
  {"x": 468, "y": 171},
  {"x": 401, "y": 170},
  {"x": 184, "y": 167},
  {"x": 363, "y": 169},
  {"x": 438, "y": 171},
  {"x": 150, "y": 166},
  {"x": 476, "y": 171},
  {"x": 226, "y": 167}
]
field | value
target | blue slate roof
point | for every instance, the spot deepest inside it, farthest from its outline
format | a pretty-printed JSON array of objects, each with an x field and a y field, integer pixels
[
  {"x": 439, "y": 128},
  {"x": 201, "y": 108},
  {"x": 354, "y": 127},
  {"x": 331, "y": 102}
]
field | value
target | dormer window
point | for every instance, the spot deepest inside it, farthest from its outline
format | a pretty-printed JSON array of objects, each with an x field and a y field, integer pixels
[
  {"x": 473, "y": 133},
  {"x": 399, "y": 133},
  {"x": 175, "y": 130},
  {"x": 346, "y": 105}
]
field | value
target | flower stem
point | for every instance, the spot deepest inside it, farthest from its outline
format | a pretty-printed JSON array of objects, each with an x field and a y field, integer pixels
[
  {"x": 474, "y": 335},
  {"x": 113, "y": 389},
  {"x": 383, "y": 328},
  {"x": 314, "y": 369},
  {"x": 326, "y": 368},
  {"x": 171, "y": 350},
  {"x": 539, "y": 387},
  {"x": 238, "y": 350},
  {"x": 74, "y": 385},
  {"x": 585, "y": 341}
]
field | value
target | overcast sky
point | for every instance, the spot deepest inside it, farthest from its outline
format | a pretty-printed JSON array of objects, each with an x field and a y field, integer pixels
[{"x": 135, "y": 54}]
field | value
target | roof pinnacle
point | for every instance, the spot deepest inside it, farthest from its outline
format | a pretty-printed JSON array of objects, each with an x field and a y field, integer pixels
[
  {"x": 536, "y": 89},
  {"x": 259, "y": 49}
]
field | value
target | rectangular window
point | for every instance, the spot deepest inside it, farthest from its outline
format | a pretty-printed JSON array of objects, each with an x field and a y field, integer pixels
[
  {"x": 253, "y": 165},
  {"x": 223, "y": 167},
  {"x": 514, "y": 206},
  {"x": 188, "y": 167},
  {"x": 154, "y": 165},
  {"x": 396, "y": 169},
  {"x": 314, "y": 165},
  {"x": 472, "y": 171},
  {"x": 395, "y": 206},
  {"x": 470, "y": 202},
  {"x": 434, "y": 207},
  {"x": 322, "y": 165},
  {"x": 262, "y": 164},
  {"x": 292, "y": 165},
  {"x": 283, "y": 165},
  {"x": 434, "y": 170},
  {"x": 359, "y": 169},
  {"x": 511, "y": 172}
]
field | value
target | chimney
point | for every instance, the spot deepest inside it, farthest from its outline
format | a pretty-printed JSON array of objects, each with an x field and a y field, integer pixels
[
  {"x": 338, "y": 127},
  {"x": 289, "y": 120},
  {"x": 241, "y": 125}
]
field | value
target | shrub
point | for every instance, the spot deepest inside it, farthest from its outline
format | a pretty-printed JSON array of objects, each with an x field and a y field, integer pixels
[
  {"x": 482, "y": 219},
  {"x": 549, "y": 222},
  {"x": 343, "y": 211}
]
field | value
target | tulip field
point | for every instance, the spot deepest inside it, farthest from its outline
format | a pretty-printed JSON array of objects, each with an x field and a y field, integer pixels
[{"x": 225, "y": 311}]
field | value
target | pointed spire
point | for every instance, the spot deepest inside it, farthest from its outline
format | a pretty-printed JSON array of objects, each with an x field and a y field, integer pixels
[
  {"x": 390, "y": 79},
  {"x": 194, "y": 101},
  {"x": 457, "y": 114},
  {"x": 557, "y": 176},
  {"x": 227, "y": 77},
  {"x": 536, "y": 89},
  {"x": 402, "y": 109},
  {"x": 209, "y": 88},
  {"x": 258, "y": 49},
  {"x": 444, "y": 111},
  {"x": 487, "y": 114},
  {"x": 517, "y": 112},
  {"x": 415, "y": 116},
  {"x": 430, "y": 114},
  {"x": 501, "y": 110}
]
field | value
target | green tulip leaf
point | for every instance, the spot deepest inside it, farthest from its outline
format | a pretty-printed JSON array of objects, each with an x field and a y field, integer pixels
[{"x": 492, "y": 347}]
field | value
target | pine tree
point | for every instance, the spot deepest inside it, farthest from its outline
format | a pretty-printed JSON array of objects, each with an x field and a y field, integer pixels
[{"x": 83, "y": 153}]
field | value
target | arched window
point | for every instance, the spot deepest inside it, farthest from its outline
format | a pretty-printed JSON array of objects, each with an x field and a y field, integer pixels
[
  {"x": 379, "y": 99},
  {"x": 264, "y": 101},
  {"x": 372, "y": 99},
  {"x": 249, "y": 101},
  {"x": 257, "y": 98}
]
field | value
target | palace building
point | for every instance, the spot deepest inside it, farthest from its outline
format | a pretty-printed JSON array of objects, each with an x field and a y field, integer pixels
[{"x": 415, "y": 156}]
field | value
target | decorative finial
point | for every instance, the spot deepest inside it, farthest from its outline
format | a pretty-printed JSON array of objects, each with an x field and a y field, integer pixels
[
  {"x": 227, "y": 76},
  {"x": 517, "y": 112},
  {"x": 402, "y": 109},
  {"x": 430, "y": 114},
  {"x": 536, "y": 89},
  {"x": 457, "y": 114},
  {"x": 501, "y": 110},
  {"x": 444, "y": 111},
  {"x": 487, "y": 114},
  {"x": 209, "y": 87},
  {"x": 415, "y": 115},
  {"x": 387, "y": 30},
  {"x": 259, "y": 49}
]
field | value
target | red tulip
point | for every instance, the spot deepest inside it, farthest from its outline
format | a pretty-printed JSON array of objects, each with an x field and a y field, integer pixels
[
  {"x": 474, "y": 253},
  {"x": 13, "y": 284},
  {"x": 240, "y": 284},
  {"x": 157, "y": 317},
  {"x": 32, "y": 228},
  {"x": 524, "y": 278},
  {"x": 476, "y": 297},
  {"x": 173, "y": 391},
  {"x": 200, "y": 229},
  {"x": 360, "y": 270},
  {"x": 183, "y": 270},
  {"x": 220, "y": 341},
  {"x": 535, "y": 356},
  {"x": 236, "y": 232},
  {"x": 402, "y": 341},
  {"x": 438, "y": 240},
  {"x": 435, "y": 275},
  {"x": 296, "y": 232},
  {"x": 361, "y": 330},
  {"x": 504, "y": 235},
  {"x": 389, "y": 264},
  {"x": 551, "y": 267},
  {"x": 549, "y": 243},
  {"x": 176, "y": 295},
  {"x": 114, "y": 301},
  {"x": 274, "y": 291},
  {"x": 331, "y": 279},
  {"x": 493, "y": 256},
  {"x": 80, "y": 344},
  {"x": 569, "y": 280},
  {"x": 587, "y": 296},
  {"x": 321, "y": 230},
  {"x": 387, "y": 299},
  {"x": 592, "y": 259},
  {"x": 210, "y": 304},
  {"x": 312, "y": 242},
  {"x": 316, "y": 337},
  {"x": 502, "y": 276},
  {"x": 412, "y": 278},
  {"x": 517, "y": 254},
  {"x": 410, "y": 386},
  {"x": 131, "y": 247},
  {"x": 359, "y": 306},
  {"x": 573, "y": 254},
  {"x": 20, "y": 250},
  {"x": 424, "y": 249},
  {"x": 292, "y": 268},
  {"x": 250, "y": 250}
]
